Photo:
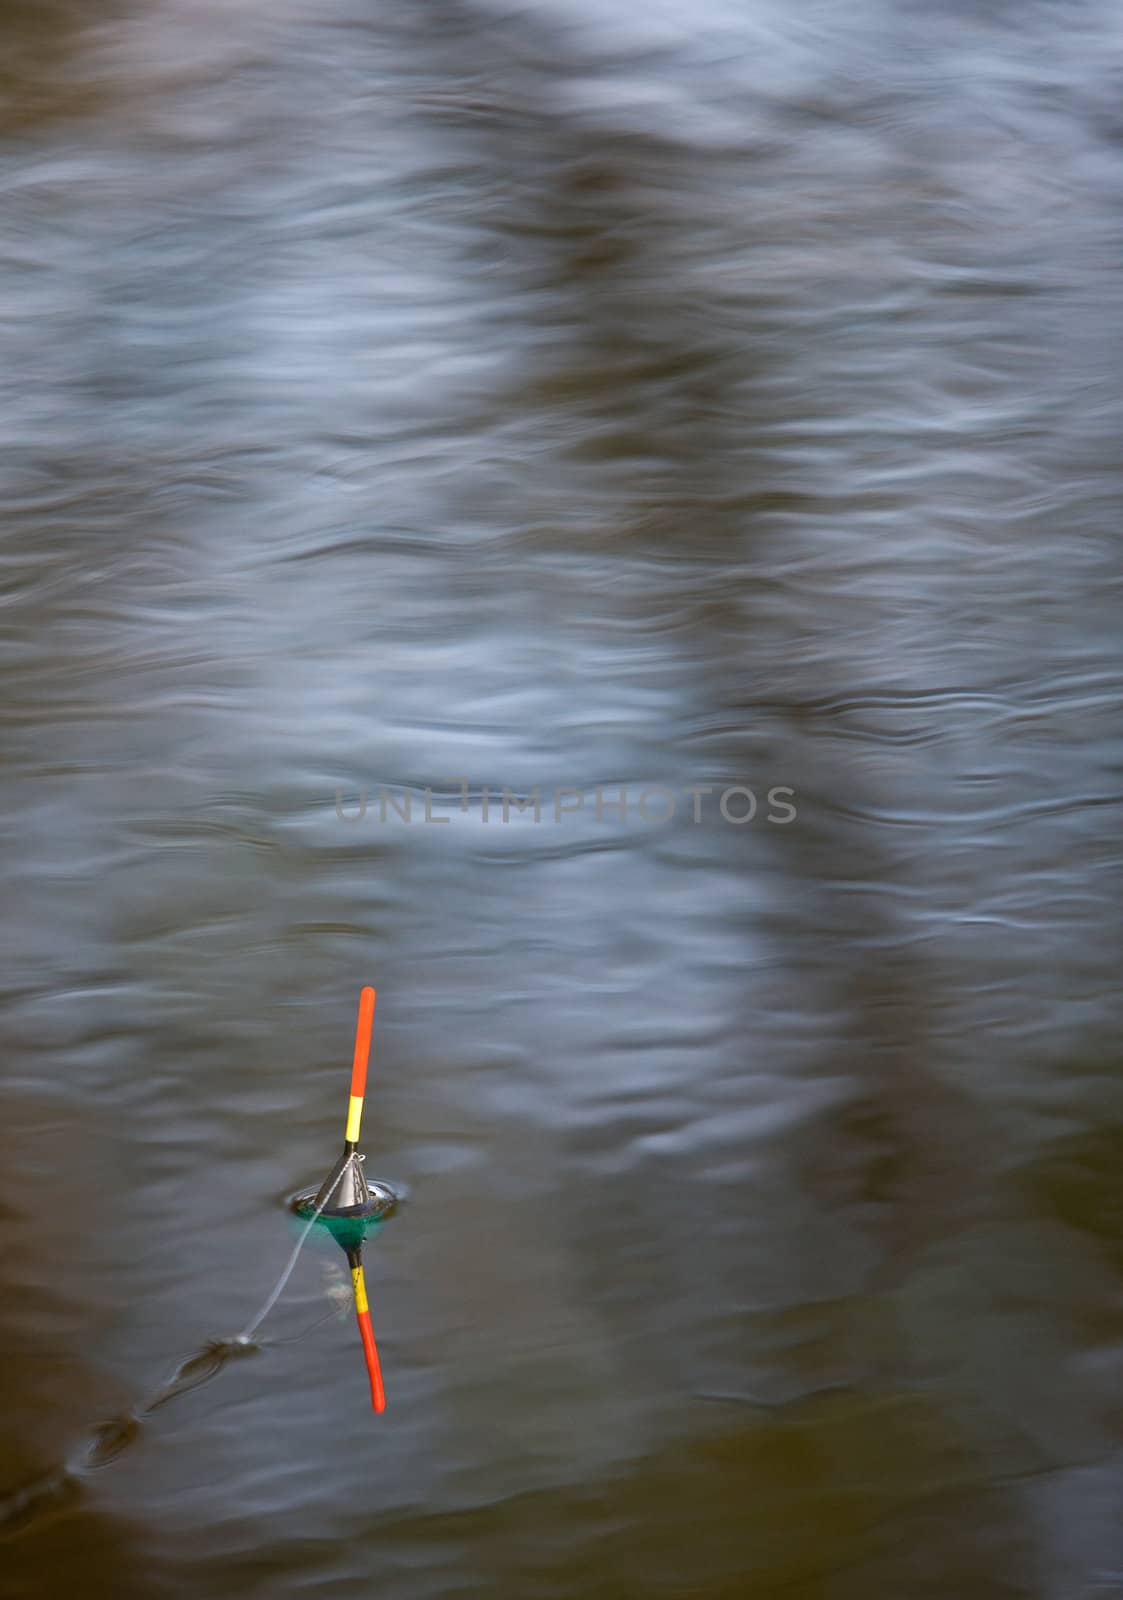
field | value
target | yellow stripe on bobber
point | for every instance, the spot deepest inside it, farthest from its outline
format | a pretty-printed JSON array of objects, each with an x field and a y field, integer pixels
[
  {"x": 354, "y": 1117},
  {"x": 360, "y": 1289}
]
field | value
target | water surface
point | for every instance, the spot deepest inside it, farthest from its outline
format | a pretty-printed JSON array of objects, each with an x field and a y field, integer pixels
[{"x": 562, "y": 397}]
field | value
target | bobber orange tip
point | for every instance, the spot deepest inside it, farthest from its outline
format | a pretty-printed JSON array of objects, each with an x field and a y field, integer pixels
[{"x": 359, "y": 1065}]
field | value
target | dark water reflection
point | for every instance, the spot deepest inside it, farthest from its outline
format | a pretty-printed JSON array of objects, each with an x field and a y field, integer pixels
[{"x": 683, "y": 396}]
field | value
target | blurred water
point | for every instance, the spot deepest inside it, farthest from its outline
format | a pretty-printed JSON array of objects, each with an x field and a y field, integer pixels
[{"x": 562, "y": 396}]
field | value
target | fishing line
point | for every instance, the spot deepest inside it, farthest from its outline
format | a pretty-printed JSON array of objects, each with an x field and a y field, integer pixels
[{"x": 246, "y": 1336}]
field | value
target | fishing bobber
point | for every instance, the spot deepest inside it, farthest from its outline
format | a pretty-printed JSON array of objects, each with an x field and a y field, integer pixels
[
  {"x": 349, "y": 1207},
  {"x": 356, "y": 1209}
]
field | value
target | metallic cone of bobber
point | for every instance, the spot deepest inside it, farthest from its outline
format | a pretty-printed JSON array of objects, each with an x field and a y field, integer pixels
[{"x": 340, "y": 1191}]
